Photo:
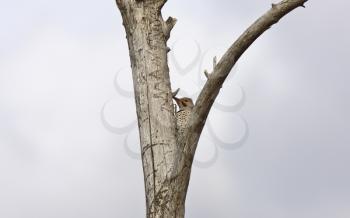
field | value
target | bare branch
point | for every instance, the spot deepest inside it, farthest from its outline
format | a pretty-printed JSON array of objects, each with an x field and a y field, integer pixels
[
  {"x": 206, "y": 74},
  {"x": 175, "y": 92},
  {"x": 222, "y": 69},
  {"x": 214, "y": 63},
  {"x": 168, "y": 26}
]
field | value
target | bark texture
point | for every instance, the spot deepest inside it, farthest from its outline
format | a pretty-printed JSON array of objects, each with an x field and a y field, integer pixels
[{"x": 167, "y": 156}]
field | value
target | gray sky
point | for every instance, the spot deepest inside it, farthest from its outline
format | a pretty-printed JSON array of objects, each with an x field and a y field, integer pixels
[{"x": 58, "y": 61}]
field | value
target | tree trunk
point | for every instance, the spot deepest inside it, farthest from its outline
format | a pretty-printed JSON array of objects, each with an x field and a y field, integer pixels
[
  {"x": 147, "y": 34},
  {"x": 166, "y": 156}
]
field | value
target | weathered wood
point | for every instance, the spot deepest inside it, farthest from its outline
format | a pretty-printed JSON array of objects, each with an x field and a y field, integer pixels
[
  {"x": 166, "y": 159},
  {"x": 147, "y": 33}
]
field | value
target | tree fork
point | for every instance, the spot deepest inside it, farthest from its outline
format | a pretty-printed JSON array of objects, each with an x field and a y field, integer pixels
[{"x": 166, "y": 159}]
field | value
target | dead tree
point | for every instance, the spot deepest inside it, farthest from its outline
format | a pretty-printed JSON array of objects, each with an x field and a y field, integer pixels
[{"x": 167, "y": 155}]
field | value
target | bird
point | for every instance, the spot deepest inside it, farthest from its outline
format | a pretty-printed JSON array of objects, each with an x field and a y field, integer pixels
[{"x": 183, "y": 114}]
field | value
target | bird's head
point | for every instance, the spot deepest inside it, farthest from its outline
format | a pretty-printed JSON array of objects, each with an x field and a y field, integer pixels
[{"x": 184, "y": 102}]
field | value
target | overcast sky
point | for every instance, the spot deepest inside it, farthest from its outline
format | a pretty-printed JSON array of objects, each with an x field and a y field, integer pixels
[{"x": 278, "y": 142}]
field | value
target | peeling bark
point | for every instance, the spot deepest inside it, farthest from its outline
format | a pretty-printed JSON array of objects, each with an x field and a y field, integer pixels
[{"x": 166, "y": 157}]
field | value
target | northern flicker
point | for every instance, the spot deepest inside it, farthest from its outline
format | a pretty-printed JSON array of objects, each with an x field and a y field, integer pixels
[{"x": 183, "y": 114}]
